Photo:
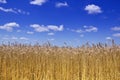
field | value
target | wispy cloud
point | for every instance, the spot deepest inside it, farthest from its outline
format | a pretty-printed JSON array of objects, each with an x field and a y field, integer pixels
[
  {"x": 38, "y": 2},
  {"x": 30, "y": 32},
  {"x": 52, "y": 39},
  {"x": 3, "y": 1},
  {"x": 116, "y": 28},
  {"x": 23, "y": 38},
  {"x": 116, "y": 35},
  {"x": 51, "y": 34},
  {"x": 61, "y": 4},
  {"x": 42, "y": 28},
  {"x": 19, "y": 31},
  {"x": 7, "y": 10},
  {"x": 90, "y": 29},
  {"x": 78, "y": 30},
  {"x": 14, "y": 38},
  {"x": 14, "y": 10},
  {"x": 108, "y": 38},
  {"x": 21, "y": 11},
  {"x": 93, "y": 9},
  {"x": 9, "y": 26},
  {"x": 86, "y": 29},
  {"x": 81, "y": 35}
]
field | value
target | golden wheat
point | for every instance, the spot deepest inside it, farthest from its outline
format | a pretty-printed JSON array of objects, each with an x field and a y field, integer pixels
[{"x": 26, "y": 62}]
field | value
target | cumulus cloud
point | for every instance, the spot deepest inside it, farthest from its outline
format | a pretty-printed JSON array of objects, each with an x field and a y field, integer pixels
[
  {"x": 39, "y": 28},
  {"x": 60, "y": 4},
  {"x": 14, "y": 10},
  {"x": 93, "y": 9},
  {"x": 55, "y": 28},
  {"x": 116, "y": 35},
  {"x": 9, "y": 26},
  {"x": 42, "y": 28},
  {"x": 3, "y": 1},
  {"x": 115, "y": 28},
  {"x": 50, "y": 34},
  {"x": 38, "y": 2}
]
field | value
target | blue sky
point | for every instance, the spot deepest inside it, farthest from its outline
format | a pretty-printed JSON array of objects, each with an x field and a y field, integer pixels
[{"x": 57, "y": 21}]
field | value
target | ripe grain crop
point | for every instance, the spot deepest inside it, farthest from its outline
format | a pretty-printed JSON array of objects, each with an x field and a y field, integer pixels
[{"x": 88, "y": 62}]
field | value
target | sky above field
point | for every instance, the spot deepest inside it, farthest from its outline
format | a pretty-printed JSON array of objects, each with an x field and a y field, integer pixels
[{"x": 57, "y": 21}]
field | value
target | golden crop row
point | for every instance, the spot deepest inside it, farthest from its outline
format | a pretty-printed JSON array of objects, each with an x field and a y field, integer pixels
[{"x": 26, "y": 62}]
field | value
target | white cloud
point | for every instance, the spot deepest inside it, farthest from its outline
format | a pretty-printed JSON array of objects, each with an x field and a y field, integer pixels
[
  {"x": 79, "y": 31},
  {"x": 55, "y": 28},
  {"x": 38, "y": 2},
  {"x": 14, "y": 10},
  {"x": 9, "y": 26},
  {"x": 108, "y": 38},
  {"x": 23, "y": 38},
  {"x": 90, "y": 29},
  {"x": 14, "y": 38},
  {"x": 60, "y": 4},
  {"x": 39, "y": 28},
  {"x": 116, "y": 35},
  {"x": 93, "y": 9},
  {"x": 115, "y": 28},
  {"x": 30, "y": 32},
  {"x": 52, "y": 39},
  {"x": 86, "y": 29},
  {"x": 7, "y": 10},
  {"x": 3, "y": 1},
  {"x": 42, "y": 28},
  {"x": 50, "y": 34},
  {"x": 21, "y": 11}
]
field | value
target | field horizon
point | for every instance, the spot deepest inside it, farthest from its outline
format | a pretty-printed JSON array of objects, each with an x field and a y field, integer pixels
[{"x": 46, "y": 62}]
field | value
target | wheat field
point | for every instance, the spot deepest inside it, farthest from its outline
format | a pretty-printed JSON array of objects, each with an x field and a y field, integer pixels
[{"x": 88, "y": 62}]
